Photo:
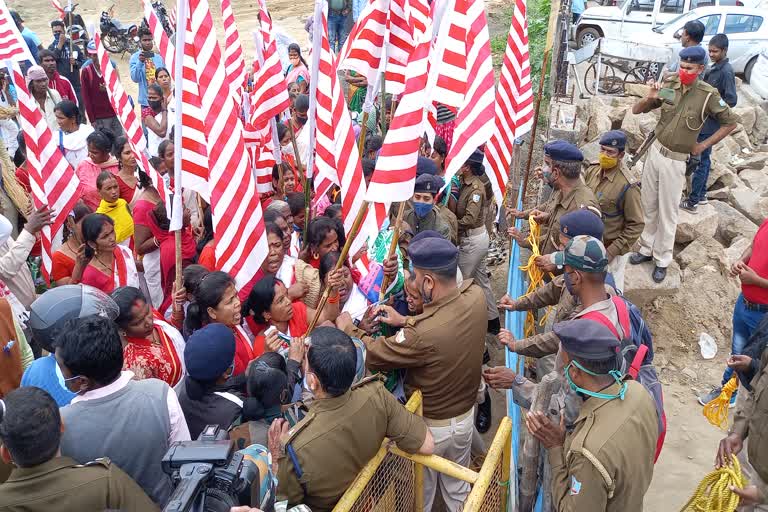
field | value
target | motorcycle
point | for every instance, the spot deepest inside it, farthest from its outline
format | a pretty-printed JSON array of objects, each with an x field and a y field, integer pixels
[{"x": 117, "y": 37}]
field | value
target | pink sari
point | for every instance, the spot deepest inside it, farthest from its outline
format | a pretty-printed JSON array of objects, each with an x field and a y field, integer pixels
[{"x": 87, "y": 172}]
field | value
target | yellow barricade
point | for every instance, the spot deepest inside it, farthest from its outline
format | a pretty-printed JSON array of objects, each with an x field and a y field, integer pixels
[{"x": 393, "y": 481}]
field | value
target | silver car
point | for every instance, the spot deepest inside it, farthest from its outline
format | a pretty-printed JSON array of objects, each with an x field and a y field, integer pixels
[{"x": 746, "y": 28}]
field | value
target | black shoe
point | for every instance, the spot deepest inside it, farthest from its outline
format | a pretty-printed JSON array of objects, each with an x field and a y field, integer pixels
[
  {"x": 659, "y": 273},
  {"x": 483, "y": 418},
  {"x": 688, "y": 205},
  {"x": 494, "y": 326},
  {"x": 636, "y": 258}
]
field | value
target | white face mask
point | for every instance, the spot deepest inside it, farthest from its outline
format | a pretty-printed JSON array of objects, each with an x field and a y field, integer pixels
[{"x": 5, "y": 229}]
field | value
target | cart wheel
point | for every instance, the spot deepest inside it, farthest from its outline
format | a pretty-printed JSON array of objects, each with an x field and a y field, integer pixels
[
  {"x": 638, "y": 75},
  {"x": 607, "y": 83}
]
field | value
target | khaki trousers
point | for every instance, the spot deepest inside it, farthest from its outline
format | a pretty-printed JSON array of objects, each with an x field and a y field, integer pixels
[
  {"x": 662, "y": 183},
  {"x": 473, "y": 250},
  {"x": 453, "y": 442}
]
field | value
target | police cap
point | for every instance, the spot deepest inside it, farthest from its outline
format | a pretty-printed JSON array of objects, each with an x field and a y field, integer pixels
[
  {"x": 582, "y": 222},
  {"x": 433, "y": 253},
  {"x": 614, "y": 139},
  {"x": 693, "y": 55},
  {"x": 563, "y": 151},
  {"x": 587, "y": 339}
]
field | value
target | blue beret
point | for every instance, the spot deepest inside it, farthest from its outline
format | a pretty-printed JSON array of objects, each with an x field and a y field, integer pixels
[
  {"x": 587, "y": 339},
  {"x": 425, "y": 165},
  {"x": 209, "y": 352},
  {"x": 563, "y": 151},
  {"x": 582, "y": 222},
  {"x": 426, "y": 183},
  {"x": 615, "y": 139},
  {"x": 477, "y": 156},
  {"x": 431, "y": 253},
  {"x": 429, "y": 233},
  {"x": 693, "y": 55}
]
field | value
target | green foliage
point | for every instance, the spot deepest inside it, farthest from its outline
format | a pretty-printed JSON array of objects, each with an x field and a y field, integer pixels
[{"x": 538, "y": 21}]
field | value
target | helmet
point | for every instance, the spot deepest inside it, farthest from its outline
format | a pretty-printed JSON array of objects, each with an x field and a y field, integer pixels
[{"x": 51, "y": 310}]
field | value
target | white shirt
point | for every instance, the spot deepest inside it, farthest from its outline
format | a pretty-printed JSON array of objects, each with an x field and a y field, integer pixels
[{"x": 179, "y": 429}]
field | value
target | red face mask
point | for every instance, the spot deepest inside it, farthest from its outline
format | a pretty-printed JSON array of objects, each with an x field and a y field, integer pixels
[{"x": 687, "y": 77}]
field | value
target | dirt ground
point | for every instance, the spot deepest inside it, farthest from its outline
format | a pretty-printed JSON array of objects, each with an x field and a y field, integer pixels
[{"x": 690, "y": 445}]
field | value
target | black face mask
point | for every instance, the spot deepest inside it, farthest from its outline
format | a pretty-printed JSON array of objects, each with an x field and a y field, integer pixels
[
  {"x": 302, "y": 120},
  {"x": 156, "y": 105}
]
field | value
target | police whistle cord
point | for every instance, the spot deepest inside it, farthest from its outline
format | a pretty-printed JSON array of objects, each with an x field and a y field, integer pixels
[
  {"x": 716, "y": 411},
  {"x": 535, "y": 276},
  {"x": 714, "y": 494}
]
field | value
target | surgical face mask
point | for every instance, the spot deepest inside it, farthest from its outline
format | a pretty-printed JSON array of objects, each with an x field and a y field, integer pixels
[
  {"x": 421, "y": 209},
  {"x": 155, "y": 105},
  {"x": 305, "y": 385},
  {"x": 546, "y": 172},
  {"x": 568, "y": 282},
  {"x": 608, "y": 162},
  {"x": 585, "y": 392},
  {"x": 63, "y": 381},
  {"x": 687, "y": 77},
  {"x": 301, "y": 120}
]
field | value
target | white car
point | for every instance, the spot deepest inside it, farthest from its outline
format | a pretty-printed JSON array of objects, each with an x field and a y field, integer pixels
[
  {"x": 628, "y": 18},
  {"x": 759, "y": 74},
  {"x": 746, "y": 28}
]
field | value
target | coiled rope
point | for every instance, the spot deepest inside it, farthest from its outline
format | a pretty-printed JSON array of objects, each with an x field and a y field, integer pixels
[
  {"x": 535, "y": 276},
  {"x": 716, "y": 411},
  {"x": 713, "y": 493}
]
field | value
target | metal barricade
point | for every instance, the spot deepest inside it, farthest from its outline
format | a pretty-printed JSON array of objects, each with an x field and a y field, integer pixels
[{"x": 393, "y": 481}]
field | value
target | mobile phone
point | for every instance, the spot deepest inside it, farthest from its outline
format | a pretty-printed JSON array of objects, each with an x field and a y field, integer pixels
[{"x": 283, "y": 337}]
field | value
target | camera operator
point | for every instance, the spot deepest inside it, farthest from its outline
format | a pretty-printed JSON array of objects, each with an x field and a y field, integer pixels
[
  {"x": 43, "y": 480},
  {"x": 131, "y": 422},
  {"x": 344, "y": 428}
]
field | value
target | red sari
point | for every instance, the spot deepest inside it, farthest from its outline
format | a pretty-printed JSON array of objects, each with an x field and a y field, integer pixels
[
  {"x": 123, "y": 273},
  {"x": 150, "y": 361},
  {"x": 244, "y": 351}
]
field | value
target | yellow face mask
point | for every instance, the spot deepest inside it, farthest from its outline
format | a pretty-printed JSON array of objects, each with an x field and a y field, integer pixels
[{"x": 608, "y": 162}]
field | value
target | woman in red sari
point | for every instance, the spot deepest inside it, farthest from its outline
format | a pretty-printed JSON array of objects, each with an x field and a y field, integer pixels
[
  {"x": 101, "y": 262},
  {"x": 152, "y": 347},
  {"x": 63, "y": 260}
]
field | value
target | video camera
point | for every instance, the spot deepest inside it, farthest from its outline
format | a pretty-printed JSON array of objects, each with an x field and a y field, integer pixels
[{"x": 208, "y": 474}]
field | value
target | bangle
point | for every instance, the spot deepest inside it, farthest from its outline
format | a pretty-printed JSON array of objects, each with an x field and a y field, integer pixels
[
  {"x": 333, "y": 299},
  {"x": 157, "y": 244}
]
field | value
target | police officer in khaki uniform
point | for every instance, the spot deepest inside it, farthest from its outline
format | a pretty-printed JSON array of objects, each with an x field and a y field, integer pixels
[
  {"x": 606, "y": 462},
  {"x": 42, "y": 480},
  {"x": 423, "y": 214},
  {"x": 562, "y": 171},
  {"x": 441, "y": 350},
  {"x": 618, "y": 193},
  {"x": 344, "y": 428},
  {"x": 473, "y": 235},
  {"x": 685, "y": 102}
]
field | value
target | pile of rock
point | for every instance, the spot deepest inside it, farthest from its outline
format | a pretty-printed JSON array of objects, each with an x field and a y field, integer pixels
[{"x": 698, "y": 294}]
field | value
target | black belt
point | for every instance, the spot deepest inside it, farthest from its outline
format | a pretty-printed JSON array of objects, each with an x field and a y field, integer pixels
[
  {"x": 336, "y": 13},
  {"x": 760, "y": 308}
]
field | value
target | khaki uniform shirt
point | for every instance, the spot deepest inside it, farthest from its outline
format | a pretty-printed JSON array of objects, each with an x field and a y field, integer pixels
[
  {"x": 450, "y": 218},
  {"x": 681, "y": 121},
  {"x": 441, "y": 349},
  {"x": 619, "y": 196},
  {"x": 433, "y": 221},
  {"x": 337, "y": 438},
  {"x": 606, "y": 462},
  {"x": 559, "y": 204},
  {"x": 470, "y": 208},
  {"x": 750, "y": 420},
  {"x": 63, "y": 484}
]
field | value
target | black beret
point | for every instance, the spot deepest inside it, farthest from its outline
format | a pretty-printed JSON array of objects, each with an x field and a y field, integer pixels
[
  {"x": 693, "y": 55},
  {"x": 563, "y": 151},
  {"x": 615, "y": 139},
  {"x": 587, "y": 339},
  {"x": 582, "y": 222},
  {"x": 426, "y": 183},
  {"x": 425, "y": 165},
  {"x": 433, "y": 253},
  {"x": 477, "y": 156}
]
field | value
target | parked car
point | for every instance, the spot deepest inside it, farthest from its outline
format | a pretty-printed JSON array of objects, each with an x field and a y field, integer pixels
[
  {"x": 759, "y": 73},
  {"x": 627, "y": 18},
  {"x": 746, "y": 28}
]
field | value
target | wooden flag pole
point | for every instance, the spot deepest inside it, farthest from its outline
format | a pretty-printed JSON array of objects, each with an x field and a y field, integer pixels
[
  {"x": 383, "y": 105},
  {"x": 71, "y": 22},
  {"x": 342, "y": 258},
  {"x": 393, "y": 246},
  {"x": 363, "y": 131},
  {"x": 179, "y": 284}
]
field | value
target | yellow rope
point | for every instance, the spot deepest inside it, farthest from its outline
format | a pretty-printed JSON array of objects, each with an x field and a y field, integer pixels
[
  {"x": 713, "y": 493},
  {"x": 535, "y": 276},
  {"x": 716, "y": 411}
]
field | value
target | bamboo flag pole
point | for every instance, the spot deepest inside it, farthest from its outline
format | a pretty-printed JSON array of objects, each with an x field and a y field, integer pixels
[
  {"x": 353, "y": 232},
  {"x": 393, "y": 246},
  {"x": 363, "y": 131},
  {"x": 553, "y": 15},
  {"x": 383, "y": 105},
  {"x": 177, "y": 209},
  {"x": 71, "y": 22},
  {"x": 314, "y": 71}
]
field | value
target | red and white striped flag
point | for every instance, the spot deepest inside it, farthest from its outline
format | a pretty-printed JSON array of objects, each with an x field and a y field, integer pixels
[
  {"x": 395, "y": 172},
  {"x": 237, "y": 217},
  {"x": 172, "y": 17},
  {"x": 12, "y": 45},
  {"x": 363, "y": 48},
  {"x": 336, "y": 150},
  {"x": 163, "y": 42},
  {"x": 474, "y": 122},
  {"x": 122, "y": 106},
  {"x": 514, "y": 103},
  {"x": 234, "y": 62},
  {"x": 269, "y": 97},
  {"x": 57, "y": 5},
  {"x": 51, "y": 178}
]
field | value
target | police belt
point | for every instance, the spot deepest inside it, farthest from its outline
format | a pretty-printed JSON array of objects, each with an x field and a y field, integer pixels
[
  {"x": 674, "y": 155},
  {"x": 447, "y": 422},
  {"x": 473, "y": 232}
]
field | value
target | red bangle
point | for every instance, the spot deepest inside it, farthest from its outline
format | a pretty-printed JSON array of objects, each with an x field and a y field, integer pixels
[{"x": 333, "y": 299}]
